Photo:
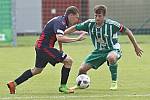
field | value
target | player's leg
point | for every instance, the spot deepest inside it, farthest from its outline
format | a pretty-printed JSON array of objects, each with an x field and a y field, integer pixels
[
  {"x": 66, "y": 69},
  {"x": 112, "y": 58},
  {"x": 60, "y": 57},
  {"x": 25, "y": 76},
  {"x": 28, "y": 74},
  {"x": 93, "y": 61},
  {"x": 65, "y": 74},
  {"x": 22, "y": 78},
  {"x": 40, "y": 63},
  {"x": 84, "y": 68}
]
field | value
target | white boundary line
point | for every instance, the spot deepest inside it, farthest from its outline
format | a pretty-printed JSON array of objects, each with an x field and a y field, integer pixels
[{"x": 71, "y": 97}]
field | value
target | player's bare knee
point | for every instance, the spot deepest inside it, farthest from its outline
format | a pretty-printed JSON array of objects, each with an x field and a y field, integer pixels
[
  {"x": 68, "y": 62},
  {"x": 112, "y": 57},
  {"x": 36, "y": 71}
]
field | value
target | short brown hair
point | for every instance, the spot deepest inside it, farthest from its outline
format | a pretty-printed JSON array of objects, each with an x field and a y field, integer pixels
[
  {"x": 98, "y": 9},
  {"x": 72, "y": 10}
]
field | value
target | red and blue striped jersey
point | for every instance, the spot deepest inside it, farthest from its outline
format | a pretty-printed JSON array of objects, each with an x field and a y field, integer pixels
[{"x": 56, "y": 25}]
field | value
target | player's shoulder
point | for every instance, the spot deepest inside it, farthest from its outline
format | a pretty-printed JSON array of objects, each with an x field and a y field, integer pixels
[
  {"x": 60, "y": 21},
  {"x": 57, "y": 19},
  {"x": 112, "y": 22},
  {"x": 91, "y": 20}
]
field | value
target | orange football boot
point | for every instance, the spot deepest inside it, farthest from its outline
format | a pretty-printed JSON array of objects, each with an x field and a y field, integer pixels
[{"x": 12, "y": 87}]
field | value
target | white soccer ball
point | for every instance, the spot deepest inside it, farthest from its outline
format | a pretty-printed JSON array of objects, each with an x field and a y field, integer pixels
[{"x": 83, "y": 81}]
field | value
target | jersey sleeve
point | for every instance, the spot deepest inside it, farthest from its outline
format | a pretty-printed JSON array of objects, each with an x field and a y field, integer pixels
[
  {"x": 122, "y": 28},
  {"x": 119, "y": 27},
  {"x": 83, "y": 26},
  {"x": 59, "y": 28}
]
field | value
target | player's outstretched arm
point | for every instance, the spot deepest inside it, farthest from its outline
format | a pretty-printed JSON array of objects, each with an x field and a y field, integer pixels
[
  {"x": 137, "y": 48},
  {"x": 66, "y": 39},
  {"x": 70, "y": 30},
  {"x": 79, "y": 38}
]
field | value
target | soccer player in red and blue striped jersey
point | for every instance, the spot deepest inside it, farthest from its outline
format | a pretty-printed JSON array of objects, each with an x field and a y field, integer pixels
[{"x": 46, "y": 53}]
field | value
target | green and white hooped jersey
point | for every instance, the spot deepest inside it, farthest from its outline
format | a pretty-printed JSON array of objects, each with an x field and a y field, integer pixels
[{"x": 104, "y": 37}]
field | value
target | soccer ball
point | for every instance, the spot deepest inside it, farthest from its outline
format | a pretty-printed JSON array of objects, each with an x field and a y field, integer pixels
[{"x": 83, "y": 81}]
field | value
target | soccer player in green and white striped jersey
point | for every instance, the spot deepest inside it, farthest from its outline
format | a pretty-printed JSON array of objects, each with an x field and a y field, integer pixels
[{"x": 104, "y": 35}]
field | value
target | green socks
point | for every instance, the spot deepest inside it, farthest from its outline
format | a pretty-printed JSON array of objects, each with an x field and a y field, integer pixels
[{"x": 113, "y": 70}]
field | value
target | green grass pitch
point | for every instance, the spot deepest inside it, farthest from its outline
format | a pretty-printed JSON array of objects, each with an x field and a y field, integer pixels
[{"x": 134, "y": 73}]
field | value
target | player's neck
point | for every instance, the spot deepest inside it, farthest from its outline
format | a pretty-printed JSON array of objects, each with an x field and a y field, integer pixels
[{"x": 100, "y": 24}]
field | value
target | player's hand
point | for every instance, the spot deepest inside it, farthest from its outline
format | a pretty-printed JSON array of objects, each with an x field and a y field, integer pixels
[
  {"x": 138, "y": 51},
  {"x": 81, "y": 36}
]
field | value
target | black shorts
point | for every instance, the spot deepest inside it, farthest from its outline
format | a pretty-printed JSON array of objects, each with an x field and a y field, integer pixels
[{"x": 48, "y": 55}]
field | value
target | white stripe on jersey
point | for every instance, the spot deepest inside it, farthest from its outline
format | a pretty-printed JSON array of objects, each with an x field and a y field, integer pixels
[
  {"x": 105, "y": 35},
  {"x": 111, "y": 34},
  {"x": 60, "y": 31},
  {"x": 101, "y": 38}
]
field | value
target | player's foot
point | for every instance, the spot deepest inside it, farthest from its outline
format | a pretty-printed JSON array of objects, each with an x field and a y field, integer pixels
[
  {"x": 65, "y": 89},
  {"x": 74, "y": 87},
  {"x": 114, "y": 85},
  {"x": 12, "y": 87}
]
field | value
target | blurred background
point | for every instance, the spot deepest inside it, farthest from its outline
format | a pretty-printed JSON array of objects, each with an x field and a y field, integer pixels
[{"x": 27, "y": 17}]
